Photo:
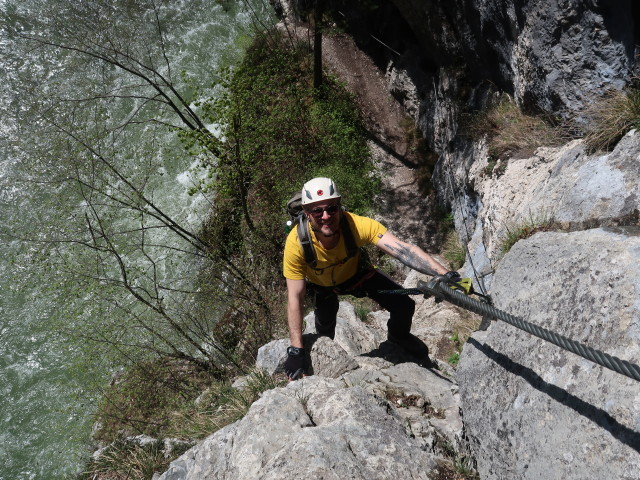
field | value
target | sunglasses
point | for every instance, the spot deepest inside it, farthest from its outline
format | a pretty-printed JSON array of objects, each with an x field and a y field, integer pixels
[{"x": 318, "y": 211}]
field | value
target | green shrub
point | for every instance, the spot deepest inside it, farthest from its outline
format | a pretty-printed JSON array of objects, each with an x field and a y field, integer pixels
[{"x": 279, "y": 132}]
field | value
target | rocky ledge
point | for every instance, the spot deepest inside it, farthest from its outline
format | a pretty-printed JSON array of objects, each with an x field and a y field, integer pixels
[{"x": 367, "y": 412}]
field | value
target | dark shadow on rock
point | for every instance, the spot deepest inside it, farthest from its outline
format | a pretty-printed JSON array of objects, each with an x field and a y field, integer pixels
[
  {"x": 414, "y": 218},
  {"x": 394, "y": 354},
  {"x": 390, "y": 150},
  {"x": 601, "y": 418},
  {"x": 308, "y": 339}
]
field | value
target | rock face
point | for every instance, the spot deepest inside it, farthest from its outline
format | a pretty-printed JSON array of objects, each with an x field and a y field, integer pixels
[
  {"x": 562, "y": 187},
  {"x": 533, "y": 410},
  {"x": 551, "y": 56},
  {"x": 441, "y": 56},
  {"x": 367, "y": 413}
]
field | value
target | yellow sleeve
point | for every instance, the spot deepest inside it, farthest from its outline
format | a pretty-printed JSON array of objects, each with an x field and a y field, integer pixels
[{"x": 366, "y": 230}]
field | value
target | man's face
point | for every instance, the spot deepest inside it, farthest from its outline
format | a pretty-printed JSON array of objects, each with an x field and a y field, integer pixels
[{"x": 324, "y": 216}]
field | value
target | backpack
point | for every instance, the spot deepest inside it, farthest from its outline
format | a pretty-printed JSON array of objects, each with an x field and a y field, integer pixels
[{"x": 297, "y": 217}]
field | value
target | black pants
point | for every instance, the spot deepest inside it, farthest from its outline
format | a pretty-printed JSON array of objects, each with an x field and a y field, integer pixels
[{"x": 400, "y": 307}]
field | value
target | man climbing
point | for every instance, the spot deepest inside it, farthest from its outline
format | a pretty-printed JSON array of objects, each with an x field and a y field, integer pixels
[{"x": 332, "y": 263}]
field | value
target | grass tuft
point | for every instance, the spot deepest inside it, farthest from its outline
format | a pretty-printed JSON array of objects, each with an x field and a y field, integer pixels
[
  {"x": 611, "y": 117},
  {"x": 456, "y": 466},
  {"x": 123, "y": 460},
  {"x": 525, "y": 229},
  {"x": 362, "y": 307},
  {"x": 220, "y": 405},
  {"x": 453, "y": 251},
  {"x": 511, "y": 133},
  {"x": 182, "y": 415}
]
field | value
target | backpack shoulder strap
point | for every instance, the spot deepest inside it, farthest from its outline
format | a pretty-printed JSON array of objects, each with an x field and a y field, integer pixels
[
  {"x": 304, "y": 237},
  {"x": 349, "y": 239}
]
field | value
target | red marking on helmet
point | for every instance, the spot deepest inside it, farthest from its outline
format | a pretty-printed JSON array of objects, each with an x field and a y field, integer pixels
[{"x": 320, "y": 193}]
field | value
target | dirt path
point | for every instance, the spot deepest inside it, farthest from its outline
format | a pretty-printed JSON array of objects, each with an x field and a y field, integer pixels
[{"x": 403, "y": 208}]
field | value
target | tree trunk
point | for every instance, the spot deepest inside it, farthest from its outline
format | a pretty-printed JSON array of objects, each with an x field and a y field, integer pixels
[{"x": 318, "y": 11}]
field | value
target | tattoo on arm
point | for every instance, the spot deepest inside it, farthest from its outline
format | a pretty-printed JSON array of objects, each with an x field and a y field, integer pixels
[{"x": 411, "y": 259}]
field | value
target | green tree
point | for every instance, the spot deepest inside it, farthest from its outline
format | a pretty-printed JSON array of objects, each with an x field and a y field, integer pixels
[
  {"x": 162, "y": 286},
  {"x": 102, "y": 98}
]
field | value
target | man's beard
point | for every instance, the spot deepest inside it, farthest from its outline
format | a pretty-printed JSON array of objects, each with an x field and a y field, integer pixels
[{"x": 319, "y": 230}]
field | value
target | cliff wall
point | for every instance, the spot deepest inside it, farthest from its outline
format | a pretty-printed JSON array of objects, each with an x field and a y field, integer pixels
[{"x": 532, "y": 410}]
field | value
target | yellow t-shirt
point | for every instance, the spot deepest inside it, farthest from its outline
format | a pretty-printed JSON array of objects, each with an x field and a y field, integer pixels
[{"x": 331, "y": 268}]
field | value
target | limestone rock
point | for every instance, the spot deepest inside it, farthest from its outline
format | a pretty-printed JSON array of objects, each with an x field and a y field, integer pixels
[
  {"x": 433, "y": 396},
  {"x": 329, "y": 359},
  {"x": 563, "y": 185},
  {"x": 313, "y": 428},
  {"x": 533, "y": 410},
  {"x": 271, "y": 356}
]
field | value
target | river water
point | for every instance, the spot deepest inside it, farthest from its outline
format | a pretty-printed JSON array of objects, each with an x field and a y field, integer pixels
[{"x": 46, "y": 399}]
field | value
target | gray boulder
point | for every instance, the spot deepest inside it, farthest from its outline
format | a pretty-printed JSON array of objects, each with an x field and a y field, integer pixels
[
  {"x": 313, "y": 428},
  {"x": 533, "y": 410},
  {"x": 271, "y": 356},
  {"x": 327, "y": 358},
  {"x": 324, "y": 356}
]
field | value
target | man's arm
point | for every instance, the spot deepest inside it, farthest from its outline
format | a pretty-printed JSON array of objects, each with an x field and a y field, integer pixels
[
  {"x": 295, "y": 303},
  {"x": 410, "y": 255}
]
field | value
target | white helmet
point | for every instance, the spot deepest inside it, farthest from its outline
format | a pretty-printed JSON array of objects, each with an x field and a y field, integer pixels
[{"x": 319, "y": 189}]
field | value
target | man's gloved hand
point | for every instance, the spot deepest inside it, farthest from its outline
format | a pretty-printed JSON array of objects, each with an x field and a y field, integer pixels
[
  {"x": 294, "y": 365},
  {"x": 452, "y": 277}
]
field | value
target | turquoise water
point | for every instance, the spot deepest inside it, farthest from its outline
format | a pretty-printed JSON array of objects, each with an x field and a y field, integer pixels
[{"x": 45, "y": 384}]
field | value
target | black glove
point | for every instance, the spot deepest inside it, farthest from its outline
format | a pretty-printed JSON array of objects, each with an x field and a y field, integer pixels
[
  {"x": 294, "y": 365},
  {"x": 452, "y": 277}
]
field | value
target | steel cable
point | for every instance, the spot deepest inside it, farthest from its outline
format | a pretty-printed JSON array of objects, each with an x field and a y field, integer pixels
[{"x": 438, "y": 288}]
